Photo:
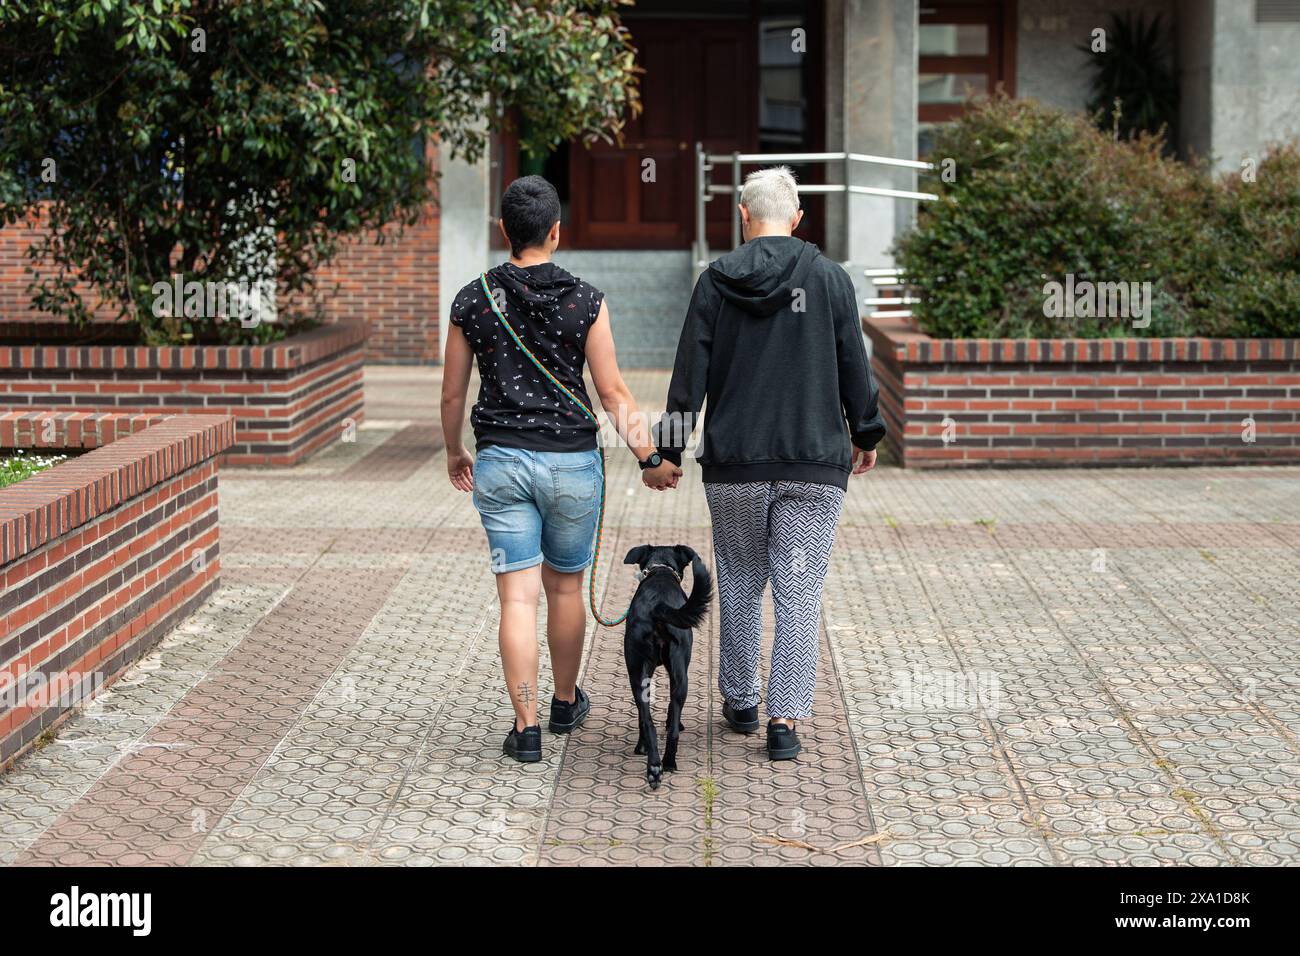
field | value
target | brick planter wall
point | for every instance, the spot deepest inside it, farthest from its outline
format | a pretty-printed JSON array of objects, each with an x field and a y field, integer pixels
[
  {"x": 290, "y": 398},
  {"x": 1085, "y": 401},
  {"x": 99, "y": 557},
  {"x": 69, "y": 430}
]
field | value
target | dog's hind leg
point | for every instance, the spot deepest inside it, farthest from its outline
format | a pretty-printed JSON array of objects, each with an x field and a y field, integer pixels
[
  {"x": 677, "y": 688},
  {"x": 634, "y": 678},
  {"x": 641, "y": 678}
]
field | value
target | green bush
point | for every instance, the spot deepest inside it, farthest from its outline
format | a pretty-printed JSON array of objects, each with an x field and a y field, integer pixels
[
  {"x": 1245, "y": 265},
  {"x": 1039, "y": 194}
]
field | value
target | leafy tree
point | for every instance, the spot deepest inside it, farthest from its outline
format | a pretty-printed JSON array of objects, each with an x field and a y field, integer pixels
[{"x": 228, "y": 138}]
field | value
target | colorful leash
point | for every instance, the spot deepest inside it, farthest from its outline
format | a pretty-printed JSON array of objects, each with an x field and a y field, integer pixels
[{"x": 600, "y": 522}]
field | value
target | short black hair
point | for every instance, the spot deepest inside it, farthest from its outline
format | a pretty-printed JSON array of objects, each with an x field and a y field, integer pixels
[{"x": 529, "y": 207}]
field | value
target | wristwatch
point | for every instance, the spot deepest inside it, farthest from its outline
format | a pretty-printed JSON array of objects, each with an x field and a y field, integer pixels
[{"x": 653, "y": 461}]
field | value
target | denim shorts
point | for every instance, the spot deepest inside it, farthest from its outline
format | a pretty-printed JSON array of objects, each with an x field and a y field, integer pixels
[{"x": 538, "y": 506}]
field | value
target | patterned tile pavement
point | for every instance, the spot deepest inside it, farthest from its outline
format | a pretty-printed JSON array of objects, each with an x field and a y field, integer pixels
[{"x": 1030, "y": 667}]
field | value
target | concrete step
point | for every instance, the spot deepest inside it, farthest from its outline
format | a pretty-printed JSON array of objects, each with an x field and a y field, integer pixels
[
  {"x": 626, "y": 258},
  {"x": 647, "y": 293}
]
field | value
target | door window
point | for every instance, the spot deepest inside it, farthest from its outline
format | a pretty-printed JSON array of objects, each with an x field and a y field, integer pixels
[{"x": 964, "y": 49}]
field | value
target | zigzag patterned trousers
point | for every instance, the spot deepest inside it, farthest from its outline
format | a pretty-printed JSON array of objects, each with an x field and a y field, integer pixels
[{"x": 780, "y": 531}]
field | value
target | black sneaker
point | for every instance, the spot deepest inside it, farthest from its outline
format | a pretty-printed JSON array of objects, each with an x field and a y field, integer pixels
[
  {"x": 566, "y": 717},
  {"x": 524, "y": 745},
  {"x": 743, "y": 721},
  {"x": 782, "y": 742}
]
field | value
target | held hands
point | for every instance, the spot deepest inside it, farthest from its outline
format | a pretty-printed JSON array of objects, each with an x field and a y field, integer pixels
[
  {"x": 460, "y": 469},
  {"x": 863, "y": 461},
  {"x": 664, "y": 476}
]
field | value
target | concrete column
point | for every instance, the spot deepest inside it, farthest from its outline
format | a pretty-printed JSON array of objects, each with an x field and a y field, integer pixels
[
  {"x": 871, "y": 108},
  {"x": 1234, "y": 85},
  {"x": 463, "y": 252},
  {"x": 1239, "y": 79}
]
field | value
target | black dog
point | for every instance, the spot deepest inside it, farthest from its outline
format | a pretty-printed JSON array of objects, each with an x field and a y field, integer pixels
[{"x": 658, "y": 631}]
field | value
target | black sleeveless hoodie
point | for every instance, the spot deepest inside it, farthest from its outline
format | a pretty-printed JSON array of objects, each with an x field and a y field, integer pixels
[{"x": 552, "y": 311}]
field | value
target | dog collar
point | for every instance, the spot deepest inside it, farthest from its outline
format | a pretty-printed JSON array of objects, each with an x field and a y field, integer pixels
[{"x": 646, "y": 572}]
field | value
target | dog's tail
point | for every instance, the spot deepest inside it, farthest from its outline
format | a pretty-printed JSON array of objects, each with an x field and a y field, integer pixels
[{"x": 690, "y": 614}]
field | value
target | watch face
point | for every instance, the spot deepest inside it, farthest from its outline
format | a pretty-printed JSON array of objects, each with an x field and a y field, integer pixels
[{"x": 654, "y": 461}]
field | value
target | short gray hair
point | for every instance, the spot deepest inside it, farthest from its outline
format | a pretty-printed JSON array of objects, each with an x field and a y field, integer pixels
[{"x": 771, "y": 195}]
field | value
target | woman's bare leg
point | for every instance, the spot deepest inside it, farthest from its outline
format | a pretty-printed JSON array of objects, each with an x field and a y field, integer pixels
[
  {"x": 566, "y": 628},
  {"x": 519, "y": 592}
]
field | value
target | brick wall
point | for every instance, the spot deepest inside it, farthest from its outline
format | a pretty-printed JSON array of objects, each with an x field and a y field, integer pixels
[
  {"x": 14, "y": 277},
  {"x": 14, "y": 240},
  {"x": 966, "y": 402},
  {"x": 391, "y": 286},
  {"x": 290, "y": 398},
  {"x": 99, "y": 557}
]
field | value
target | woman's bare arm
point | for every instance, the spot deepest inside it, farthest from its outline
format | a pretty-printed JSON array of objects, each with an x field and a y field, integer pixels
[
  {"x": 617, "y": 401},
  {"x": 456, "y": 369}
]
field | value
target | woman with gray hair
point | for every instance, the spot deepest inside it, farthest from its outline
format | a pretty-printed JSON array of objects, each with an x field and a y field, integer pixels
[{"x": 772, "y": 339}]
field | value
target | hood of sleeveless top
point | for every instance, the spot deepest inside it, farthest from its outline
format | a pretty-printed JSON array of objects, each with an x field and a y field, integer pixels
[{"x": 541, "y": 285}]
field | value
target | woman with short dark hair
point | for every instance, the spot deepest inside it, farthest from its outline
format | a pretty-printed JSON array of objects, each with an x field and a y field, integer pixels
[{"x": 537, "y": 477}]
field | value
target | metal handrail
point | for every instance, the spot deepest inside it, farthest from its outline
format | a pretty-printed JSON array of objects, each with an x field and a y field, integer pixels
[
  {"x": 890, "y": 278},
  {"x": 817, "y": 158},
  {"x": 705, "y": 190},
  {"x": 839, "y": 188}
]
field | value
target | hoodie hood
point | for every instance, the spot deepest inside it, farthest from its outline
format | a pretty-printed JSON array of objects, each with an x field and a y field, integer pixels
[
  {"x": 540, "y": 286},
  {"x": 761, "y": 276}
]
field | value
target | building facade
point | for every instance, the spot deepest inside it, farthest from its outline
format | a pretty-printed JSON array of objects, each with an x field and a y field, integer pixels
[
  {"x": 863, "y": 76},
  {"x": 778, "y": 76}
]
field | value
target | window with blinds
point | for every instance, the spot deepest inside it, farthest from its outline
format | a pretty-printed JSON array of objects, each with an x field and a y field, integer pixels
[{"x": 1277, "y": 11}]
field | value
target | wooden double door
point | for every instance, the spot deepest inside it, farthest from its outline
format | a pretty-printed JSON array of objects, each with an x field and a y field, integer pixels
[{"x": 700, "y": 83}]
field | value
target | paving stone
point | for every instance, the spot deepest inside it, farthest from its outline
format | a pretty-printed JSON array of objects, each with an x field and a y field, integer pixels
[{"x": 1060, "y": 667}]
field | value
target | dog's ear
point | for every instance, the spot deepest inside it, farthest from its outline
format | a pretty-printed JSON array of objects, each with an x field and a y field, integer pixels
[
  {"x": 637, "y": 554},
  {"x": 685, "y": 555}
]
